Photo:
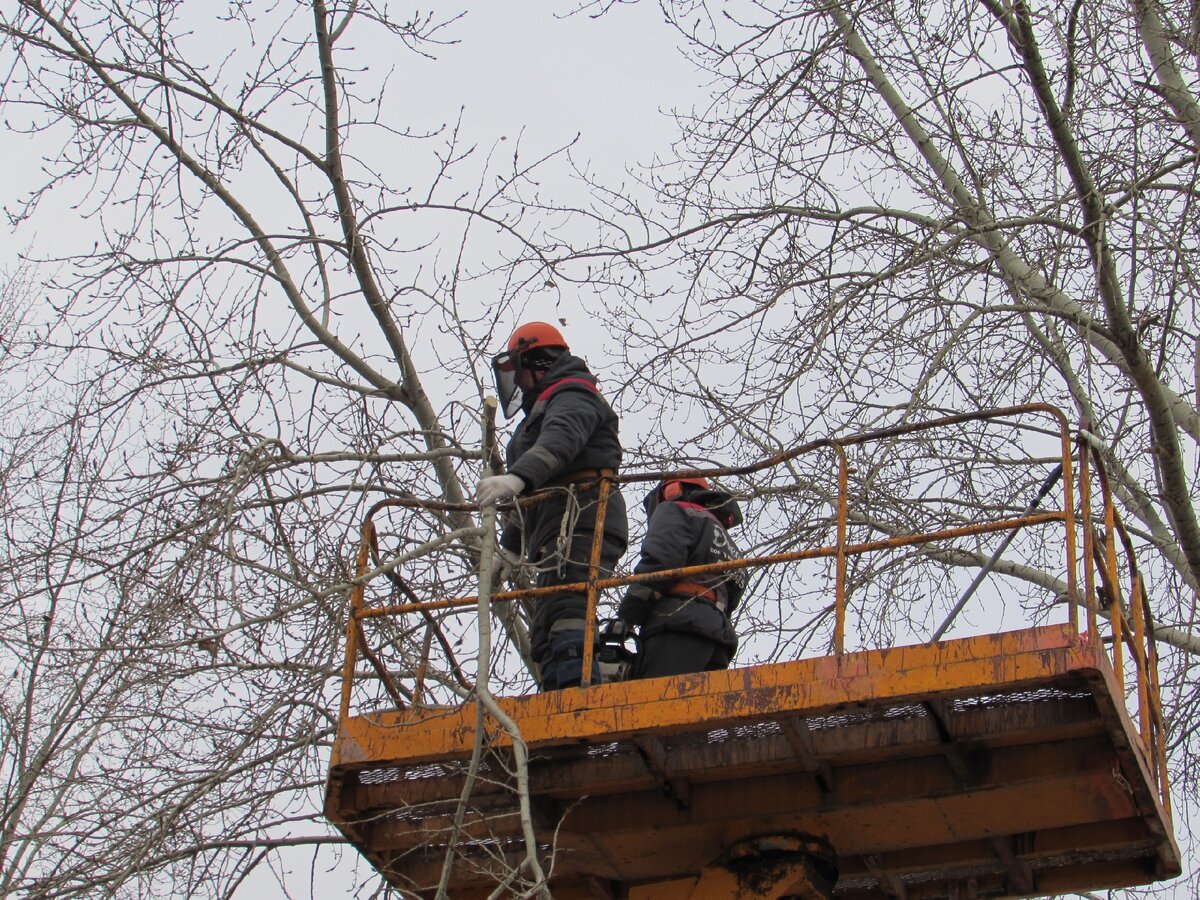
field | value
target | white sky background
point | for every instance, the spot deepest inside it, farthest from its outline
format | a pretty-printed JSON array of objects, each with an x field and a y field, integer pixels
[
  {"x": 517, "y": 71},
  {"x": 527, "y": 72},
  {"x": 607, "y": 79},
  {"x": 520, "y": 69},
  {"x": 520, "y": 74}
]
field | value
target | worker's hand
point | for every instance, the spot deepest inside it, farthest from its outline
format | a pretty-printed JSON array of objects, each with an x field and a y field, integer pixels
[
  {"x": 503, "y": 564},
  {"x": 498, "y": 488},
  {"x": 637, "y": 604}
]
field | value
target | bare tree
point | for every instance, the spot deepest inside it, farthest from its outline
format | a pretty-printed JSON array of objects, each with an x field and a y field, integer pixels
[
  {"x": 210, "y": 396},
  {"x": 887, "y": 212},
  {"x": 891, "y": 210}
]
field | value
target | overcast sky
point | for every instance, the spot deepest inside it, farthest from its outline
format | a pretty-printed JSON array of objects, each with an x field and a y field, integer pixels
[
  {"x": 608, "y": 79},
  {"x": 517, "y": 69}
]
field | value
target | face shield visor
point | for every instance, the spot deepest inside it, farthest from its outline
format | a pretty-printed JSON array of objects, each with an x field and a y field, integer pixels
[{"x": 506, "y": 367}]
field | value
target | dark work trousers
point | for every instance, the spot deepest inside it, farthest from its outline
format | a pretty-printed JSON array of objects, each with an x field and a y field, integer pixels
[
  {"x": 677, "y": 653},
  {"x": 556, "y": 632}
]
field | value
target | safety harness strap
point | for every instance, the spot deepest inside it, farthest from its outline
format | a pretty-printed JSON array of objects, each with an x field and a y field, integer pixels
[
  {"x": 539, "y": 405},
  {"x": 715, "y": 596},
  {"x": 583, "y": 475}
]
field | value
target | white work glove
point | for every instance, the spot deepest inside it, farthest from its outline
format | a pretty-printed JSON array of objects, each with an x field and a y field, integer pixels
[
  {"x": 497, "y": 488},
  {"x": 503, "y": 564}
]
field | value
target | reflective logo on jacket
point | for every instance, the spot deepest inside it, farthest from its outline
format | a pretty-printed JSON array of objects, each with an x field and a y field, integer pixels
[{"x": 723, "y": 589}]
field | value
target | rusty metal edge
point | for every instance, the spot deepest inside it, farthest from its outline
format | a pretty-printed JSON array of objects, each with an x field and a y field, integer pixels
[{"x": 695, "y": 702}]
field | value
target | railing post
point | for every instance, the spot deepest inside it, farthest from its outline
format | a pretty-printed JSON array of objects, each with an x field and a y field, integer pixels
[
  {"x": 1114, "y": 607},
  {"x": 357, "y": 596},
  {"x": 1159, "y": 748},
  {"x": 839, "y": 627},
  {"x": 1068, "y": 483},
  {"x": 1089, "y": 549},
  {"x": 593, "y": 592},
  {"x": 1139, "y": 657}
]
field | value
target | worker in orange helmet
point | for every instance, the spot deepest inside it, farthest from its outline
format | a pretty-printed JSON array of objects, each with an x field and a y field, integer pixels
[
  {"x": 566, "y": 441},
  {"x": 685, "y": 623}
]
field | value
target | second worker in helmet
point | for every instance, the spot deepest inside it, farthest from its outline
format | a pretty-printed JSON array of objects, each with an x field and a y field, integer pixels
[
  {"x": 685, "y": 622},
  {"x": 567, "y": 439}
]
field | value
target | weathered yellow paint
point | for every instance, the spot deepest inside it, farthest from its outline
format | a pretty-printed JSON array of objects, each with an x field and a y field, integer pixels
[
  {"x": 713, "y": 699},
  {"x": 1070, "y": 773}
]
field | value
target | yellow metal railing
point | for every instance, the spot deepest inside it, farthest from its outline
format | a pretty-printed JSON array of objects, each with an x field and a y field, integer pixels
[
  {"x": 1131, "y": 622},
  {"x": 1107, "y": 550}
]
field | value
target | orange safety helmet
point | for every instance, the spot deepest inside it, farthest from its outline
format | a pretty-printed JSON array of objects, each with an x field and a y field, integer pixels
[
  {"x": 723, "y": 507},
  {"x": 671, "y": 489},
  {"x": 507, "y": 366},
  {"x": 536, "y": 334}
]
